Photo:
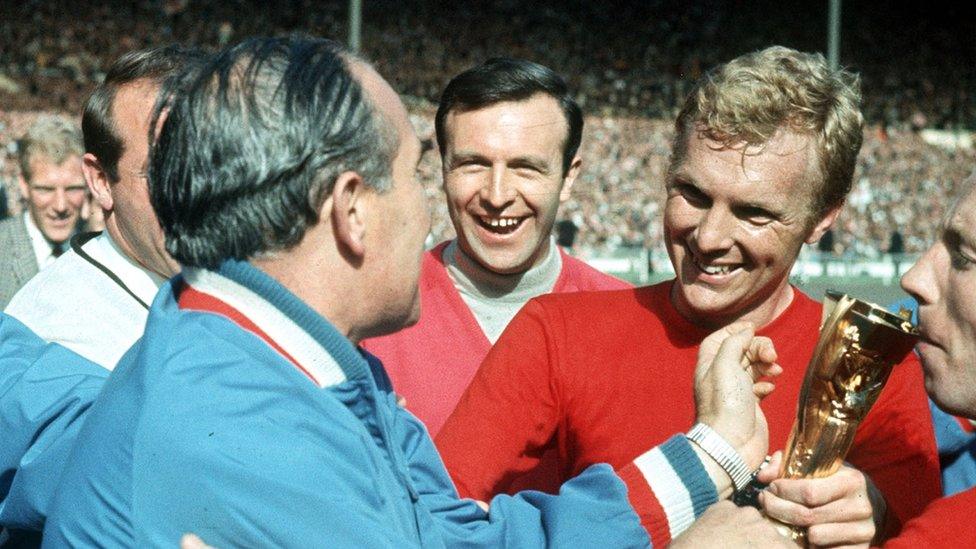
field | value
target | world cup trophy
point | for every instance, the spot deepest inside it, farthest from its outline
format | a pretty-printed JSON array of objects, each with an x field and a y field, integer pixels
[{"x": 859, "y": 344}]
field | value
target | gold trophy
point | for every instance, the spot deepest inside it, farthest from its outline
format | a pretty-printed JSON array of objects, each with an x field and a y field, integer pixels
[{"x": 859, "y": 344}]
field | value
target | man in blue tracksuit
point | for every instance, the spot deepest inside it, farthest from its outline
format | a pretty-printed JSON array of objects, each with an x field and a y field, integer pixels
[
  {"x": 284, "y": 178},
  {"x": 45, "y": 391}
]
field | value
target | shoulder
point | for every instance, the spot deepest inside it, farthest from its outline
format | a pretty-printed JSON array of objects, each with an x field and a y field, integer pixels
[
  {"x": 12, "y": 225},
  {"x": 580, "y": 276},
  {"x": 61, "y": 278},
  {"x": 71, "y": 303},
  {"x": 13, "y": 232},
  {"x": 612, "y": 307}
]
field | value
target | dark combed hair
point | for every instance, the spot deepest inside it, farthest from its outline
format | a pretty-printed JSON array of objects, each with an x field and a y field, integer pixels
[
  {"x": 504, "y": 79},
  {"x": 154, "y": 65},
  {"x": 251, "y": 144}
]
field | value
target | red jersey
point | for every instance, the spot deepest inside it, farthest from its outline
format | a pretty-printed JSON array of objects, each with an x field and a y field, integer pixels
[{"x": 599, "y": 376}]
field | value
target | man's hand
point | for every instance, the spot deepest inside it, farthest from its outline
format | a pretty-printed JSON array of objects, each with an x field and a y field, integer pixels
[
  {"x": 730, "y": 379},
  {"x": 844, "y": 509},
  {"x": 725, "y": 525}
]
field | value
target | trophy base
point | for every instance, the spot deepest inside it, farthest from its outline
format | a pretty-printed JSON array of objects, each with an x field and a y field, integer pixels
[{"x": 793, "y": 533}]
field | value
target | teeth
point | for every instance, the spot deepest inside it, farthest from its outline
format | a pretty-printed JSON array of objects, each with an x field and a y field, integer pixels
[
  {"x": 500, "y": 221},
  {"x": 716, "y": 269}
]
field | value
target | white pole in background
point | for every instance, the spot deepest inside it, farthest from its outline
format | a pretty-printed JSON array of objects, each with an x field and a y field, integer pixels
[
  {"x": 833, "y": 35},
  {"x": 355, "y": 24}
]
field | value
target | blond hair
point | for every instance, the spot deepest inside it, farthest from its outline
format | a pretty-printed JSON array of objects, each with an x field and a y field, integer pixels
[
  {"x": 51, "y": 137},
  {"x": 748, "y": 99}
]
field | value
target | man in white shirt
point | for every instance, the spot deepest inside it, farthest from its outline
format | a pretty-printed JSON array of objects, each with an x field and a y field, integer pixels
[
  {"x": 53, "y": 188},
  {"x": 94, "y": 299}
]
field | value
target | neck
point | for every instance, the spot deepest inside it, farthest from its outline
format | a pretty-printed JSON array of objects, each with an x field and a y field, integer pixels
[
  {"x": 760, "y": 314},
  {"x": 296, "y": 278},
  {"x": 162, "y": 264},
  {"x": 494, "y": 298},
  {"x": 469, "y": 275}
]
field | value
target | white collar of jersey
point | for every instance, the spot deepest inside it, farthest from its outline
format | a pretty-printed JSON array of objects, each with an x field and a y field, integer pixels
[{"x": 317, "y": 348}]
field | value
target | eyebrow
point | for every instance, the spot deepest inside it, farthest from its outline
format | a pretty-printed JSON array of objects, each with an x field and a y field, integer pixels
[
  {"x": 465, "y": 156},
  {"x": 532, "y": 161},
  {"x": 679, "y": 179},
  {"x": 53, "y": 187},
  {"x": 954, "y": 232}
]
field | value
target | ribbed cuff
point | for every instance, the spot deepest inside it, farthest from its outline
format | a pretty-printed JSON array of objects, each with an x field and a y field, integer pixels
[{"x": 668, "y": 488}]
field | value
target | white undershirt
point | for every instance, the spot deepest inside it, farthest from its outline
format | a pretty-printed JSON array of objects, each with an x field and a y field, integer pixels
[
  {"x": 494, "y": 298},
  {"x": 43, "y": 249}
]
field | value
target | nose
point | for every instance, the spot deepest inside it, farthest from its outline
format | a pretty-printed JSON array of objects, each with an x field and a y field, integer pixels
[
  {"x": 715, "y": 229},
  {"x": 497, "y": 192},
  {"x": 60, "y": 200},
  {"x": 920, "y": 281}
]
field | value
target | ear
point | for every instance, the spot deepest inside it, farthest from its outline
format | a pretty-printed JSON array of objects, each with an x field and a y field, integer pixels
[
  {"x": 24, "y": 186},
  {"x": 346, "y": 207},
  {"x": 98, "y": 181},
  {"x": 825, "y": 223},
  {"x": 571, "y": 174}
]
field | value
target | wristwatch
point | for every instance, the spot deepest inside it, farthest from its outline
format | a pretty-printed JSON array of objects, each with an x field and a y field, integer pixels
[{"x": 723, "y": 453}]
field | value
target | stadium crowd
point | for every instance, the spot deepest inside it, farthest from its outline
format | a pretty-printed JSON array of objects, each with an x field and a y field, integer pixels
[
  {"x": 628, "y": 81},
  {"x": 901, "y": 182},
  {"x": 638, "y": 58},
  {"x": 270, "y": 308}
]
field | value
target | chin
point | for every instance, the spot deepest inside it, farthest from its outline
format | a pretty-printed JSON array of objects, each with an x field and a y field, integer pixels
[
  {"x": 57, "y": 236},
  {"x": 948, "y": 401},
  {"x": 706, "y": 305},
  {"x": 410, "y": 321}
]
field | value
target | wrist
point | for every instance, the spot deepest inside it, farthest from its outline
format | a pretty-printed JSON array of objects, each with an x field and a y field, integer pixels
[
  {"x": 721, "y": 479},
  {"x": 722, "y": 461}
]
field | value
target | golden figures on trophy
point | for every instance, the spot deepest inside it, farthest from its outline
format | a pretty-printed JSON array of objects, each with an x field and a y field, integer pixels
[{"x": 859, "y": 344}]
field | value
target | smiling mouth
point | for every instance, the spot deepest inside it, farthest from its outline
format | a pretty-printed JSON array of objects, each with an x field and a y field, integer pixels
[
  {"x": 716, "y": 270},
  {"x": 500, "y": 225}
]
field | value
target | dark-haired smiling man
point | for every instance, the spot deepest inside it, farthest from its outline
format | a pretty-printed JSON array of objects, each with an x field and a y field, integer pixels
[{"x": 509, "y": 133}]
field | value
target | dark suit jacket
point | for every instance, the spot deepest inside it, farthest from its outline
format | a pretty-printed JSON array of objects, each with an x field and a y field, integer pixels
[{"x": 17, "y": 260}]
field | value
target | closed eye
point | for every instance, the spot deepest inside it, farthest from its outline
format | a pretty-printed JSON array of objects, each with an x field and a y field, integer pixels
[
  {"x": 958, "y": 258},
  {"x": 529, "y": 165},
  {"x": 692, "y": 194},
  {"x": 469, "y": 162},
  {"x": 755, "y": 215}
]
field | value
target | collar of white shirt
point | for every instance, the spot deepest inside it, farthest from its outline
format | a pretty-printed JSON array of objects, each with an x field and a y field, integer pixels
[
  {"x": 43, "y": 249},
  {"x": 143, "y": 282}
]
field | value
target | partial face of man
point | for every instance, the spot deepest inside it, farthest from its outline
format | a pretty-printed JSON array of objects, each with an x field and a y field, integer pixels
[
  {"x": 504, "y": 180},
  {"x": 131, "y": 220},
  {"x": 944, "y": 283},
  {"x": 55, "y": 195},
  {"x": 403, "y": 220},
  {"x": 734, "y": 222}
]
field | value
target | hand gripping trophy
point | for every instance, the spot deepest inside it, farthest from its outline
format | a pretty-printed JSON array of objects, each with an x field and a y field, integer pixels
[{"x": 858, "y": 346}]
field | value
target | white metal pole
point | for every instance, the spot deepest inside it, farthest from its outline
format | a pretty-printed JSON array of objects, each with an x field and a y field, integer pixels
[
  {"x": 355, "y": 24},
  {"x": 833, "y": 35}
]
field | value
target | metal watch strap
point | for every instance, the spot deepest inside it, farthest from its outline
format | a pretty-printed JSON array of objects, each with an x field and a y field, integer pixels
[{"x": 723, "y": 453}]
